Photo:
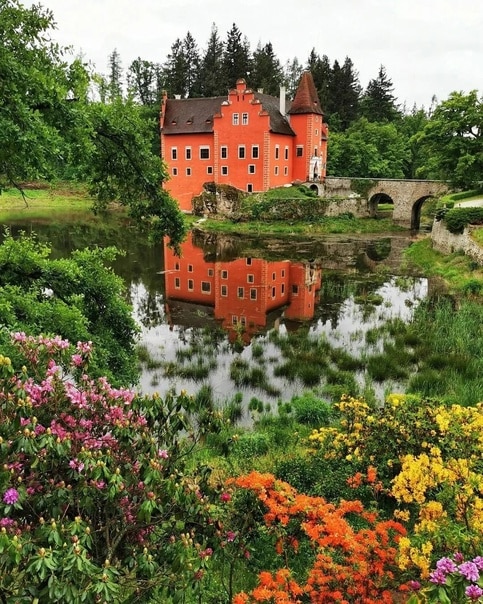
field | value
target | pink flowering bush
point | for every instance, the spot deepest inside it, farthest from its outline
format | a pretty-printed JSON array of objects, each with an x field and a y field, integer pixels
[{"x": 95, "y": 501}]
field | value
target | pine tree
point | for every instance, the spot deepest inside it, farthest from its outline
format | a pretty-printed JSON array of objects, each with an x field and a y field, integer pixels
[
  {"x": 175, "y": 70},
  {"x": 266, "y": 71},
  {"x": 114, "y": 84},
  {"x": 321, "y": 72},
  {"x": 211, "y": 71},
  {"x": 292, "y": 73},
  {"x": 236, "y": 58},
  {"x": 378, "y": 103},
  {"x": 343, "y": 95},
  {"x": 192, "y": 62}
]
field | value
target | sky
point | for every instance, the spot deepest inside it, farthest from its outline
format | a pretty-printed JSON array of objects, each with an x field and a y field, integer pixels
[{"x": 428, "y": 47}]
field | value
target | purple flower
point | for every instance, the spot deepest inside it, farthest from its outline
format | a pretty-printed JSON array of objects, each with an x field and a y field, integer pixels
[
  {"x": 473, "y": 592},
  {"x": 414, "y": 585},
  {"x": 458, "y": 557},
  {"x": 10, "y": 496},
  {"x": 446, "y": 565},
  {"x": 479, "y": 562},
  {"x": 469, "y": 570},
  {"x": 438, "y": 576}
]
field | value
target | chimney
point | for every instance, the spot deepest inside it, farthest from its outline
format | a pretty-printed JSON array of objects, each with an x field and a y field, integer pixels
[
  {"x": 282, "y": 100},
  {"x": 177, "y": 97}
]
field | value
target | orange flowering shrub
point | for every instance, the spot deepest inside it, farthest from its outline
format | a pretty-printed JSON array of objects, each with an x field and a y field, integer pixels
[{"x": 348, "y": 564}]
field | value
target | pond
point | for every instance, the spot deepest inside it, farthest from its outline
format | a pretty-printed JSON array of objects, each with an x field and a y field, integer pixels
[{"x": 256, "y": 320}]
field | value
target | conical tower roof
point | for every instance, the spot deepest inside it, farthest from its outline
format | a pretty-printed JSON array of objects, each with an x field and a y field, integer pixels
[{"x": 306, "y": 98}]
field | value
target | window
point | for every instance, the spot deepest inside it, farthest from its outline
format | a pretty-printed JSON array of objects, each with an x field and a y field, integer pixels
[
  {"x": 295, "y": 290},
  {"x": 251, "y": 168},
  {"x": 205, "y": 287},
  {"x": 315, "y": 151},
  {"x": 249, "y": 188},
  {"x": 176, "y": 266},
  {"x": 286, "y": 152},
  {"x": 241, "y": 293},
  {"x": 209, "y": 169},
  {"x": 250, "y": 278},
  {"x": 188, "y": 171},
  {"x": 224, "y": 291},
  {"x": 234, "y": 320},
  {"x": 273, "y": 292},
  {"x": 277, "y": 151},
  {"x": 316, "y": 132},
  {"x": 243, "y": 321},
  {"x": 224, "y": 170},
  {"x": 174, "y": 153},
  {"x": 244, "y": 119},
  {"x": 210, "y": 272},
  {"x": 255, "y": 152},
  {"x": 177, "y": 283},
  {"x": 191, "y": 285},
  {"x": 175, "y": 171},
  {"x": 299, "y": 151},
  {"x": 283, "y": 273},
  {"x": 188, "y": 152},
  {"x": 223, "y": 152},
  {"x": 204, "y": 153},
  {"x": 285, "y": 171},
  {"x": 190, "y": 268},
  {"x": 224, "y": 274},
  {"x": 276, "y": 171},
  {"x": 241, "y": 151},
  {"x": 248, "y": 261},
  {"x": 235, "y": 119},
  {"x": 253, "y": 293},
  {"x": 274, "y": 276},
  {"x": 282, "y": 289}
]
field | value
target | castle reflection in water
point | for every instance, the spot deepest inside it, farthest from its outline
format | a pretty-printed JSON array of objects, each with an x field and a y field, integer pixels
[{"x": 244, "y": 294}]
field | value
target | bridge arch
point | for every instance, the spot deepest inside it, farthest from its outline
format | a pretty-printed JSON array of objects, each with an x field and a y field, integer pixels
[
  {"x": 416, "y": 212},
  {"x": 377, "y": 199}
]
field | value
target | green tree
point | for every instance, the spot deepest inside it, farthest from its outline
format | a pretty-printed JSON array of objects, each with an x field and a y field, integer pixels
[
  {"x": 378, "y": 102},
  {"x": 368, "y": 149},
  {"x": 79, "y": 298},
  {"x": 145, "y": 82},
  {"x": 292, "y": 74},
  {"x": 49, "y": 128},
  {"x": 211, "y": 70},
  {"x": 453, "y": 140},
  {"x": 266, "y": 73},
  {"x": 236, "y": 57},
  {"x": 175, "y": 69},
  {"x": 114, "y": 84},
  {"x": 343, "y": 95},
  {"x": 410, "y": 127},
  {"x": 193, "y": 61},
  {"x": 321, "y": 72}
]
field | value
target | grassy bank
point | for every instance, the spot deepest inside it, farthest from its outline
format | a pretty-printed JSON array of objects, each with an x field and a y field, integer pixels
[
  {"x": 460, "y": 274},
  {"x": 325, "y": 226}
]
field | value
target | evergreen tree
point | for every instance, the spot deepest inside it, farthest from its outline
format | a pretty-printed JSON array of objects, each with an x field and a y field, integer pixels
[
  {"x": 175, "y": 70},
  {"x": 211, "y": 71},
  {"x": 321, "y": 72},
  {"x": 114, "y": 85},
  {"x": 292, "y": 73},
  {"x": 378, "y": 103},
  {"x": 192, "y": 62},
  {"x": 236, "y": 57},
  {"x": 343, "y": 95},
  {"x": 266, "y": 71}
]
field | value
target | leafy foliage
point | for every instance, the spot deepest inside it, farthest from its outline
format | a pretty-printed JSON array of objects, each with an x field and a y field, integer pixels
[
  {"x": 456, "y": 219},
  {"x": 79, "y": 298}
]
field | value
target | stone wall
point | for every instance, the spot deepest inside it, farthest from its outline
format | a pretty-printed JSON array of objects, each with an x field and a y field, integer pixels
[{"x": 447, "y": 243}]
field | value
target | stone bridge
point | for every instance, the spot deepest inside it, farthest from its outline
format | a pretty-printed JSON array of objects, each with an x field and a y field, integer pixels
[{"x": 361, "y": 196}]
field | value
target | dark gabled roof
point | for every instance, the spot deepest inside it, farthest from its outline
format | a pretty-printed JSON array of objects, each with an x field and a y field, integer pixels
[
  {"x": 278, "y": 122},
  {"x": 186, "y": 116},
  {"x": 306, "y": 98}
]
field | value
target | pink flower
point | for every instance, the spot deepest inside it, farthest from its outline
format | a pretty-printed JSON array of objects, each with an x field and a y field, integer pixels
[
  {"x": 225, "y": 497},
  {"x": 163, "y": 453},
  {"x": 10, "y": 496},
  {"x": 76, "y": 360},
  {"x": 230, "y": 536},
  {"x": 473, "y": 592}
]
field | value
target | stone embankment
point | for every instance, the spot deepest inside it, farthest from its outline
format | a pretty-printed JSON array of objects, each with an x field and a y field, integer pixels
[{"x": 447, "y": 243}]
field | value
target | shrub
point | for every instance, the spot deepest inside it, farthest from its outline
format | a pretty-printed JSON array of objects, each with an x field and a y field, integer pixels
[{"x": 310, "y": 410}]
